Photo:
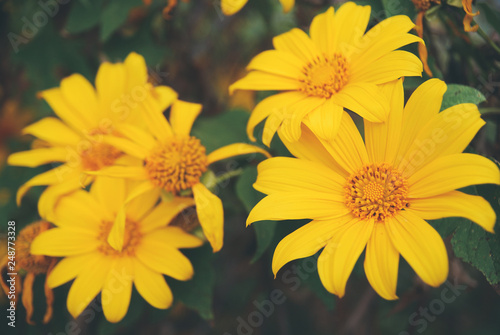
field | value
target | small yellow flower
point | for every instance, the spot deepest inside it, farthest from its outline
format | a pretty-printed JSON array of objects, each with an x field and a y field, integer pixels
[
  {"x": 174, "y": 161},
  {"x": 85, "y": 116},
  {"x": 337, "y": 67},
  {"x": 230, "y": 7},
  {"x": 84, "y": 221},
  {"x": 33, "y": 265},
  {"x": 377, "y": 193}
]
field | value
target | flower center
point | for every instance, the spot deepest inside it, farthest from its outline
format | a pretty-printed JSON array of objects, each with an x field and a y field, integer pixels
[
  {"x": 325, "y": 76},
  {"x": 98, "y": 155},
  {"x": 376, "y": 191},
  {"x": 178, "y": 164},
  {"x": 131, "y": 238},
  {"x": 25, "y": 260}
]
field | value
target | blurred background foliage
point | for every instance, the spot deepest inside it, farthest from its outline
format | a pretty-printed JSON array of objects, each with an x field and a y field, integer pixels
[{"x": 199, "y": 52}]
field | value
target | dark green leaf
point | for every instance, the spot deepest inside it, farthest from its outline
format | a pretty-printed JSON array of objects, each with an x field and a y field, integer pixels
[
  {"x": 492, "y": 16},
  {"x": 197, "y": 293},
  {"x": 398, "y": 7},
  {"x": 459, "y": 94},
  {"x": 114, "y": 15},
  {"x": 83, "y": 16},
  {"x": 264, "y": 230}
]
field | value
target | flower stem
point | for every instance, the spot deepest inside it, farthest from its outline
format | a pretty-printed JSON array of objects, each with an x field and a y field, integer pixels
[{"x": 488, "y": 39}]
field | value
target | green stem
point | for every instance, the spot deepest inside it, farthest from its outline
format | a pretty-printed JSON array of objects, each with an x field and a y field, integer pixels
[
  {"x": 222, "y": 178},
  {"x": 488, "y": 39}
]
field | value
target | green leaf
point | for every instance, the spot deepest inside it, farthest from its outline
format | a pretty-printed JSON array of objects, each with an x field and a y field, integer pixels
[
  {"x": 459, "y": 94},
  {"x": 264, "y": 230},
  {"x": 197, "y": 293},
  {"x": 83, "y": 16},
  {"x": 492, "y": 16},
  {"x": 114, "y": 15},
  {"x": 398, "y": 7}
]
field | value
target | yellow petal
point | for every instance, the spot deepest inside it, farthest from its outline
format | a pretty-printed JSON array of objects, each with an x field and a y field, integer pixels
[
  {"x": 452, "y": 172},
  {"x": 210, "y": 214},
  {"x": 56, "y": 100},
  {"x": 165, "y": 212},
  {"x": 136, "y": 135},
  {"x": 37, "y": 157},
  {"x": 389, "y": 67},
  {"x": 455, "y": 203},
  {"x": 138, "y": 207},
  {"x": 277, "y": 62},
  {"x": 337, "y": 260},
  {"x": 263, "y": 81},
  {"x": 271, "y": 105},
  {"x": 422, "y": 106},
  {"x": 27, "y": 297},
  {"x": 230, "y": 7},
  {"x": 420, "y": 245},
  {"x": 87, "y": 285},
  {"x": 60, "y": 242},
  {"x": 152, "y": 286},
  {"x": 156, "y": 122},
  {"x": 110, "y": 85},
  {"x": 165, "y": 96},
  {"x": 365, "y": 99},
  {"x": 116, "y": 235},
  {"x": 81, "y": 96},
  {"x": 297, "y": 43},
  {"x": 306, "y": 241},
  {"x": 382, "y": 139},
  {"x": 126, "y": 146},
  {"x": 284, "y": 174},
  {"x": 127, "y": 172},
  {"x": 386, "y": 36},
  {"x": 182, "y": 116},
  {"x": 53, "y": 131},
  {"x": 310, "y": 148},
  {"x": 287, "y": 5},
  {"x": 382, "y": 262},
  {"x": 347, "y": 148},
  {"x": 80, "y": 210},
  {"x": 117, "y": 290},
  {"x": 136, "y": 71},
  {"x": 109, "y": 193},
  {"x": 235, "y": 149},
  {"x": 292, "y": 116},
  {"x": 175, "y": 237},
  {"x": 349, "y": 24},
  {"x": 322, "y": 31},
  {"x": 325, "y": 120},
  {"x": 448, "y": 132},
  {"x": 298, "y": 205},
  {"x": 163, "y": 258},
  {"x": 68, "y": 268}
]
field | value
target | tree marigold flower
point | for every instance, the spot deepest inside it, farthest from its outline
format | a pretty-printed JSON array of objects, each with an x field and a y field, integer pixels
[
  {"x": 339, "y": 66},
  {"x": 174, "y": 161},
  {"x": 377, "y": 193},
  {"x": 33, "y": 265},
  {"x": 84, "y": 222},
  {"x": 85, "y": 115}
]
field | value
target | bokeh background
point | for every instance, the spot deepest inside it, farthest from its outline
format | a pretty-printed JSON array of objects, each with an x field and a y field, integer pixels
[{"x": 199, "y": 52}]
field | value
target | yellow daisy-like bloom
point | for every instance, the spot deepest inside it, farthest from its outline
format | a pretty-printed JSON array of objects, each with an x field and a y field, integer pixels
[
  {"x": 33, "y": 265},
  {"x": 84, "y": 221},
  {"x": 337, "y": 67},
  {"x": 378, "y": 193},
  {"x": 230, "y": 7},
  {"x": 174, "y": 161},
  {"x": 85, "y": 115}
]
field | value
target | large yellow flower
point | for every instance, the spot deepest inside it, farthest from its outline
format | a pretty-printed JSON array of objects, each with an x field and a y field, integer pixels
[
  {"x": 84, "y": 221},
  {"x": 378, "y": 194},
  {"x": 230, "y": 7},
  {"x": 85, "y": 115},
  {"x": 338, "y": 67},
  {"x": 174, "y": 161}
]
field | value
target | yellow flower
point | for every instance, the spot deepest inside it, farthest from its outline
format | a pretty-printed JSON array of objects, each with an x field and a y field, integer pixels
[
  {"x": 467, "y": 5},
  {"x": 378, "y": 193},
  {"x": 338, "y": 67},
  {"x": 150, "y": 249},
  {"x": 31, "y": 264},
  {"x": 230, "y": 7},
  {"x": 174, "y": 161},
  {"x": 85, "y": 115}
]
